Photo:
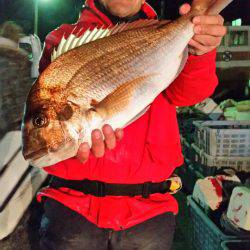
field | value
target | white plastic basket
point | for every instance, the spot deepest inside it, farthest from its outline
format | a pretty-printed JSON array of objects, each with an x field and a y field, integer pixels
[
  {"x": 238, "y": 163},
  {"x": 223, "y": 138}
]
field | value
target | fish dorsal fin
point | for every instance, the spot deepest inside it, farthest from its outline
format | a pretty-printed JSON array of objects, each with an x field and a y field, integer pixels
[{"x": 74, "y": 40}]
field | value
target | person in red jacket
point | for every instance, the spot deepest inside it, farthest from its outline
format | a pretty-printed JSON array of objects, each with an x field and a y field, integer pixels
[{"x": 114, "y": 195}]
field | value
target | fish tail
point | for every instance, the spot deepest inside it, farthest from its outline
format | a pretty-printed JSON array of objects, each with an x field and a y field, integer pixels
[{"x": 211, "y": 7}]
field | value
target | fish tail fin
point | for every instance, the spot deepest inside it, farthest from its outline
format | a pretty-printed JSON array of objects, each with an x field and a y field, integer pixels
[{"x": 211, "y": 7}]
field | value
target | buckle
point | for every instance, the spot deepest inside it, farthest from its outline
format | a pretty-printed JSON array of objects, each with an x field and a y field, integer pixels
[
  {"x": 146, "y": 186},
  {"x": 175, "y": 185},
  {"x": 101, "y": 189}
]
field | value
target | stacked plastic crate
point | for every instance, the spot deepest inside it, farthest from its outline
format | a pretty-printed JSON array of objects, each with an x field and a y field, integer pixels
[
  {"x": 217, "y": 145},
  {"x": 190, "y": 171},
  {"x": 205, "y": 110},
  {"x": 221, "y": 144}
]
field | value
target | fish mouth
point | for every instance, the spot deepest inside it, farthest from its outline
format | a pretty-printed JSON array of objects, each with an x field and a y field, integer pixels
[{"x": 36, "y": 154}]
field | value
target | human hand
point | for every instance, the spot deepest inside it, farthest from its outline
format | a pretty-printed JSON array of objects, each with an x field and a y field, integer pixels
[
  {"x": 99, "y": 144},
  {"x": 208, "y": 29}
]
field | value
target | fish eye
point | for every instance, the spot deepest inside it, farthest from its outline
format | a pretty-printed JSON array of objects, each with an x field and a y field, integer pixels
[{"x": 40, "y": 121}]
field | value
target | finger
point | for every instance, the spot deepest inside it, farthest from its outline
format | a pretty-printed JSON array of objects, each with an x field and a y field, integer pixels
[
  {"x": 197, "y": 46},
  {"x": 119, "y": 134},
  {"x": 199, "y": 49},
  {"x": 196, "y": 52},
  {"x": 184, "y": 9},
  {"x": 110, "y": 139},
  {"x": 98, "y": 147},
  {"x": 83, "y": 152},
  {"x": 210, "y": 29},
  {"x": 207, "y": 40},
  {"x": 218, "y": 19}
]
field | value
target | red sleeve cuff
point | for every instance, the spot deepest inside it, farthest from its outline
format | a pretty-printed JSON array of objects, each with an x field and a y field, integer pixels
[
  {"x": 196, "y": 82},
  {"x": 196, "y": 61}
]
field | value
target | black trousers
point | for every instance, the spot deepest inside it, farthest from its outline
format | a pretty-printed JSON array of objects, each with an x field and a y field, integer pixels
[{"x": 62, "y": 228}]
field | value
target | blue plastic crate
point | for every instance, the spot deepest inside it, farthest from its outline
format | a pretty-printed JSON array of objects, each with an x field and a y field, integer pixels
[{"x": 205, "y": 235}]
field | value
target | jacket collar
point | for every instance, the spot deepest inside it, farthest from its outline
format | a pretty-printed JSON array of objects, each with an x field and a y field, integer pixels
[{"x": 146, "y": 11}]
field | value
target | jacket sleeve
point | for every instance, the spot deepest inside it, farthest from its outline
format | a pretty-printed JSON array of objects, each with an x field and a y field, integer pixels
[{"x": 196, "y": 82}]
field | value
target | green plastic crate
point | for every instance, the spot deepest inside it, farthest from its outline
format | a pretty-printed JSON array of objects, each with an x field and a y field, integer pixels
[
  {"x": 205, "y": 234},
  {"x": 235, "y": 245}
]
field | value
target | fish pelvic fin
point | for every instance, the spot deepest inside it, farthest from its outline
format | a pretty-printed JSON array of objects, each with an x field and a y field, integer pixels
[
  {"x": 210, "y": 7},
  {"x": 75, "y": 40}
]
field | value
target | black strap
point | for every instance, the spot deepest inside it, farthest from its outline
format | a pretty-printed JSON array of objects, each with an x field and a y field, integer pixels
[{"x": 101, "y": 189}]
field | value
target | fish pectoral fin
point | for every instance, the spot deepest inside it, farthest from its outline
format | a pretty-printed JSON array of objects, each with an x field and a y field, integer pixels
[{"x": 120, "y": 98}]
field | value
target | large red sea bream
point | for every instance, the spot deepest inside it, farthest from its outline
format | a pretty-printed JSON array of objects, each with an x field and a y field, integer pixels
[{"x": 107, "y": 76}]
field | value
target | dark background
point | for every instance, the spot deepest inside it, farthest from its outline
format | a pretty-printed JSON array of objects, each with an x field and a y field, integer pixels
[{"x": 52, "y": 13}]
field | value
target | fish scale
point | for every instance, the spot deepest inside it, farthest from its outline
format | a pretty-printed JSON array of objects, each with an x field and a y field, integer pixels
[{"x": 95, "y": 75}]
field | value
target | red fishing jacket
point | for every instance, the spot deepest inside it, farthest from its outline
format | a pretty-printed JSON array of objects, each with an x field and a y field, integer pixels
[{"x": 150, "y": 149}]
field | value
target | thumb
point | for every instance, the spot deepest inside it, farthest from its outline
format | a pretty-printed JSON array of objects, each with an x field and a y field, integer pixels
[{"x": 184, "y": 9}]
